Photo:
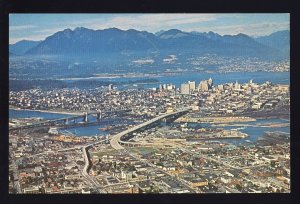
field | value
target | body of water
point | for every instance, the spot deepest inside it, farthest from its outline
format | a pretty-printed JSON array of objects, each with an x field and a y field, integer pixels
[
  {"x": 253, "y": 132},
  {"x": 85, "y": 131},
  {"x": 36, "y": 114},
  {"x": 91, "y": 130},
  {"x": 218, "y": 78}
]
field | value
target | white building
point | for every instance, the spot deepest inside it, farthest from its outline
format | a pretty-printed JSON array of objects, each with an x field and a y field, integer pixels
[
  {"x": 185, "y": 88},
  {"x": 192, "y": 85}
]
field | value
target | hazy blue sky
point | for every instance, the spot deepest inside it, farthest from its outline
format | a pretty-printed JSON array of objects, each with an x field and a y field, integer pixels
[{"x": 39, "y": 26}]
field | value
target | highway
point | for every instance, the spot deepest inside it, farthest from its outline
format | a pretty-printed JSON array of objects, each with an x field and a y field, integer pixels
[
  {"x": 116, "y": 145},
  {"x": 114, "y": 142},
  {"x": 85, "y": 173},
  {"x": 85, "y": 169},
  {"x": 16, "y": 182}
]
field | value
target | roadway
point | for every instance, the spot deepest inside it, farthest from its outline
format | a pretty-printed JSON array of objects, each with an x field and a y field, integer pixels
[
  {"x": 16, "y": 181},
  {"x": 115, "y": 141},
  {"x": 50, "y": 122},
  {"x": 85, "y": 173}
]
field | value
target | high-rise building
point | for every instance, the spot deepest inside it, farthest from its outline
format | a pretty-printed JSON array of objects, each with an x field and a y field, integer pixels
[
  {"x": 203, "y": 86},
  {"x": 210, "y": 83},
  {"x": 170, "y": 87},
  {"x": 220, "y": 87},
  {"x": 160, "y": 87},
  {"x": 230, "y": 85},
  {"x": 237, "y": 85},
  {"x": 249, "y": 90},
  {"x": 110, "y": 87},
  {"x": 185, "y": 88},
  {"x": 192, "y": 85}
]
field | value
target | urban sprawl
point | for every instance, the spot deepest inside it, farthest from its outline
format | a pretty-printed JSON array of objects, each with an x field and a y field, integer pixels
[{"x": 151, "y": 140}]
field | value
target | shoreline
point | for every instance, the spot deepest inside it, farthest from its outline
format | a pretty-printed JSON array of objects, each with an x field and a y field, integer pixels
[
  {"x": 267, "y": 125},
  {"x": 219, "y": 120},
  {"x": 47, "y": 111},
  {"x": 155, "y": 75},
  {"x": 215, "y": 138}
]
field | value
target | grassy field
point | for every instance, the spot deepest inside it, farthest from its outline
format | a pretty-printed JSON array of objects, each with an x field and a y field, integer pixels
[{"x": 107, "y": 152}]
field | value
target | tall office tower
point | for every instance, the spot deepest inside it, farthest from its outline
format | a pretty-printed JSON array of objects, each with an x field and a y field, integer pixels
[
  {"x": 210, "y": 83},
  {"x": 221, "y": 87},
  {"x": 160, "y": 87},
  {"x": 237, "y": 85},
  {"x": 185, "y": 88},
  {"x": 110, "y": 87},
  {"x": 170, "y": 87},
  {"x": 192, "y": 85},
  {"x": 203, "y": 86}
]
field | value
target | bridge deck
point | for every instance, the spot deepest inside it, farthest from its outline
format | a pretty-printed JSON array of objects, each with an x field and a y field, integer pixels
[
  {"x": 114, "y": 142},
  {"x": 66, "y": 118}
]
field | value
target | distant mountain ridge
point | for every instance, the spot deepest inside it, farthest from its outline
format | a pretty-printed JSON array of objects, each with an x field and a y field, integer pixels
[
  {"x": 84, "y": 41},
  {"x": 21, "y": 47},
  {"x": 279, "y": 40}
]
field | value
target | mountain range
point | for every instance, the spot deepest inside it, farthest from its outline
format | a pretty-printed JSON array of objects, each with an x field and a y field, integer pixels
[
  {"x": 279, "y": 40},
  {"x": 21, "y": 47},
  {"x": 113, "y": 41}
]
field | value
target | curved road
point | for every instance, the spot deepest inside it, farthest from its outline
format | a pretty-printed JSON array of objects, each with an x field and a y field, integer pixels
[{"x": 114, "y": 142}]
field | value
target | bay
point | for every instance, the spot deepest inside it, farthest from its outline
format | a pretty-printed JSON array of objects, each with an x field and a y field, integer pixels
[
  {"x": 218, "y": 78},
  {"x": 253, "y": 132},
  {"x": 37, "y": 114}
]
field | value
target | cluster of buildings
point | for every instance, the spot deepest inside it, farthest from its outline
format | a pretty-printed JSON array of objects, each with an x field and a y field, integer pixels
[
  {"x": 229, "y": 98},
  {"x": 190, "y": 86},
  {"x": 237, "y": 64},
  {"x": 236, "y": 98},
  {"x": 77, "y": 99},
  {"x": 192, "y": 168},
  {"x": 160, "y": 164},
  {"x": 169, "y": 87},
  {"x": 158, "y": 160},
  {"x": 40, "y": 165}
]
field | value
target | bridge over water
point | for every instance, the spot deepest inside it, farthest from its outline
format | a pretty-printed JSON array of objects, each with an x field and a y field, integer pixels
[
  {"x": 67, "y": 120},
  {"x": 116, "y": 141}
]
